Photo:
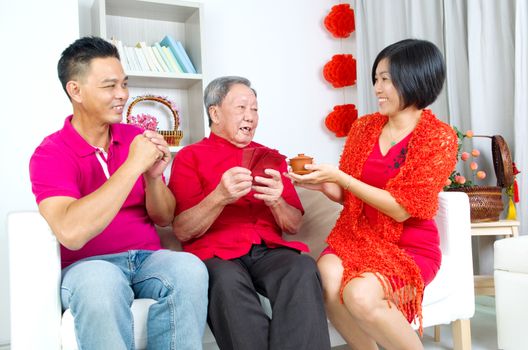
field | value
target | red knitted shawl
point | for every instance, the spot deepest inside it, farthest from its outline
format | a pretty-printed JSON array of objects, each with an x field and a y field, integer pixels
[{"x": 431, "y": 157}]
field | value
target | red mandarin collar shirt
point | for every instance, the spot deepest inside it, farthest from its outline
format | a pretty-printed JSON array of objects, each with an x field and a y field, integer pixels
[{"x": 196, "y": 171}]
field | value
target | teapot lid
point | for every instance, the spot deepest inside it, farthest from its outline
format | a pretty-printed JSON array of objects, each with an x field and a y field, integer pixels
[{"x": 302, "y": 156}]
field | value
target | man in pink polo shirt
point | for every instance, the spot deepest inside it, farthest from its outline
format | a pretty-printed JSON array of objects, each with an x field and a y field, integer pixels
[
  {"x": 99, "y": 185},
  {"x": 232, "y": 205}
]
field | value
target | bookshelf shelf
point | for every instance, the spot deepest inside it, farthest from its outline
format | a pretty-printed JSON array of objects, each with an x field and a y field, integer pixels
[
  {"x": 149, "y": 21},
  {"x": 163, "y": 80}
]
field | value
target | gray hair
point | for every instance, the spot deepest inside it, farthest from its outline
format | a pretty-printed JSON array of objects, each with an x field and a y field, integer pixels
[{"x": 217, "y": 90}]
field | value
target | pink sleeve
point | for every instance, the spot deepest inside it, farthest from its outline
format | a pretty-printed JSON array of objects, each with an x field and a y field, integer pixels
[{"x": 53, "y": 174}]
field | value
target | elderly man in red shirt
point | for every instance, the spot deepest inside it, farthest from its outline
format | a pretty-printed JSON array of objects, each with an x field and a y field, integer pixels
[{"x": 233, "y": 218}]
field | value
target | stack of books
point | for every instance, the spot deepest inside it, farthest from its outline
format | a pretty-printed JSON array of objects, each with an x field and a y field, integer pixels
[{"x": 168, "y": 56}]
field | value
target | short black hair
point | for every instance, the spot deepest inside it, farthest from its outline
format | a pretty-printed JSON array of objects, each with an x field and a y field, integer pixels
[
  {"x": 76, "y": 58},
  {"x": 417, "y": 71}
]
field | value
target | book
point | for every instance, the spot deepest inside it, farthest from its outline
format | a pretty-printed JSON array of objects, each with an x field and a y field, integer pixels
[
  {"x": 159, "y": 59},
  {"x": 187, "y": 61},
  {"x": 143, "y": 65},
  {"x": 179, "y": 52},
  {"x": 168, "y": 53},
  {"x": 154, "y": 59},
  {"x": 122, "y": 56},
  {"x": 143, "y": 47},
  {"x": 132, "y": 59},
  {"x": 157, "y": 48}
]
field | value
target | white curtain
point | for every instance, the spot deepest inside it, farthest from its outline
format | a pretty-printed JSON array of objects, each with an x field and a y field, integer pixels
[
  {"x": 383, "y": 22},
  {"x": 520, "y": 110},
  {"x": 485, "y": 44},
  {"x": 457, "y": 64},
  {"x": 491, "y": 60}
]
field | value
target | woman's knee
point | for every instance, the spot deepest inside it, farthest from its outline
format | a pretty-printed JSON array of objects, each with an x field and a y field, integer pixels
[
  {"x": 331, "y": 273},
  {"x": 362, "y": 299}
]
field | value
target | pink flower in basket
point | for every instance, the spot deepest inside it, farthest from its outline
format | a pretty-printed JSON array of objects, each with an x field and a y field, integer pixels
[{"x": 144, "y": 121}]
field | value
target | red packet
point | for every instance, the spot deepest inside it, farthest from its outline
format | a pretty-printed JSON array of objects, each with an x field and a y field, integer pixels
[
  {"x": 270, "y": 160},
  {"x": 247, "y": 157}
]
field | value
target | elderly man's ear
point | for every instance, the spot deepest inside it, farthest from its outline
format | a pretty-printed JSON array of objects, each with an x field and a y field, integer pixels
[{"x": 213, "y": 113}]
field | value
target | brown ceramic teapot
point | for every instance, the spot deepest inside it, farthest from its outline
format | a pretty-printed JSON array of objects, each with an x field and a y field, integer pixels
[{"x": 297, "y": 164}]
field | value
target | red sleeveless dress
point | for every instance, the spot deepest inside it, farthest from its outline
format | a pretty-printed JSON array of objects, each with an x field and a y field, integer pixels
[{"x": 419, "y": 238}]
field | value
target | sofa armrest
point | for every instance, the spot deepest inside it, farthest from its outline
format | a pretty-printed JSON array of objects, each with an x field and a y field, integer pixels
[
  {"x": 511, "y": 287},
  {"x": 35, "y": 274},
  {"x": 454, "y": 227}
]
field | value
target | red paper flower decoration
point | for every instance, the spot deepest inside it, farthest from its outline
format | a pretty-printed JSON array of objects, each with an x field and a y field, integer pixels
[
  {"x": 341, "y": 118},
  {"x": 340, "y": 21},
  {"x": 340, "y": 71}
]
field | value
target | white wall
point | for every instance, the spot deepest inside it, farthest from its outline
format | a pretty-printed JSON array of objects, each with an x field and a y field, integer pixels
[
  {"x": 281, "y": 46},
  {"x": 34, "y": 33}
]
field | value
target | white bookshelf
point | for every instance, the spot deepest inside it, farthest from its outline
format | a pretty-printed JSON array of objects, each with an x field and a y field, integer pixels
[{"x": 132, "y": 21}]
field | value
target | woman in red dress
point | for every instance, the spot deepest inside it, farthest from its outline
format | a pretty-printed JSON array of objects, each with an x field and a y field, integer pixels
[{"x": 384, "y": 247}]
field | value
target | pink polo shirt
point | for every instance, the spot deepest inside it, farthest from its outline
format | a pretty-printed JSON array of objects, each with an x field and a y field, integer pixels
[
  {"x": 196, "y": 171},
  {"x": 64, "y": 164}
]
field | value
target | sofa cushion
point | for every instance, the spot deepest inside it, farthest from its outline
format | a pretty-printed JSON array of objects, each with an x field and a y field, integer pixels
[
  {"x": 511, "y": 254},
  {"x": 441, "y": 286},
  {"x": 319, "y": 219}
]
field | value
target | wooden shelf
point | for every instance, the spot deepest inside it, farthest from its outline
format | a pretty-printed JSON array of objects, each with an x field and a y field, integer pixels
[
  {"x": 163, "y": 80},
  {"x": 485, "y": 284},
  {"x": 149, "y": 21},
  {"x": 495, "y": 228}
]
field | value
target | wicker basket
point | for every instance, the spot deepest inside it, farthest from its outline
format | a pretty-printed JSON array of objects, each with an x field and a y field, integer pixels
[
  {"x": 173, "y": 137},
  {"x": 485, "y": 202},
  {"x": 502, "y": 161}
]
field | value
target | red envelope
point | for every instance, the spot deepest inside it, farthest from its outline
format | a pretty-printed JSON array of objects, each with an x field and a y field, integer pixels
[
  {"x": 247, "y": 157},
  {"x": 251, "y": 156},
  {"x": 258, "y": 159},
  {"x": 270, "y": 160}
]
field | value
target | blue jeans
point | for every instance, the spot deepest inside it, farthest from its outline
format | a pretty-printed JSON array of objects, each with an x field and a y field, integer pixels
[{"x": 99, "y": 291}]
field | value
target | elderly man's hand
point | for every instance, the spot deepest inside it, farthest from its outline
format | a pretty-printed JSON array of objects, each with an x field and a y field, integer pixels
[
  {"x": 163, "y": 158},
  {"x": 272, "y": 187},
  {"x": 235, "y": 183}
]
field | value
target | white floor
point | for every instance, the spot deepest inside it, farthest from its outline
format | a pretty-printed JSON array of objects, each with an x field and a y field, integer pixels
[{"x": 483, "y": 330}]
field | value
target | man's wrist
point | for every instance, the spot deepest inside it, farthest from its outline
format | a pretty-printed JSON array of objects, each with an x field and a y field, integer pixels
[
  {"x": 151, "y": 180},
  {"x": 274, "y": 204}
]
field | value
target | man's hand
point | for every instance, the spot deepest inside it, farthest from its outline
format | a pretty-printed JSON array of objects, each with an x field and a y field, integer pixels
[
  {"x": 272, "y": 187},
  {"x": 149, "y": 152},
  {"x": 163, "y": 159},
  {"x": 235, "y": 183}
]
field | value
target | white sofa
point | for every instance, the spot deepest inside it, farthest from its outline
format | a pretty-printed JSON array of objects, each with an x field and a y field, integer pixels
[
  {"x": 38, "y": 323},
  {"x": 511, "y": 292}
]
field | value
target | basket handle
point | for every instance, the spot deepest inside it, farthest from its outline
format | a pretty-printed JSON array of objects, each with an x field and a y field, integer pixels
[{"x": 155, "y": 99}]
